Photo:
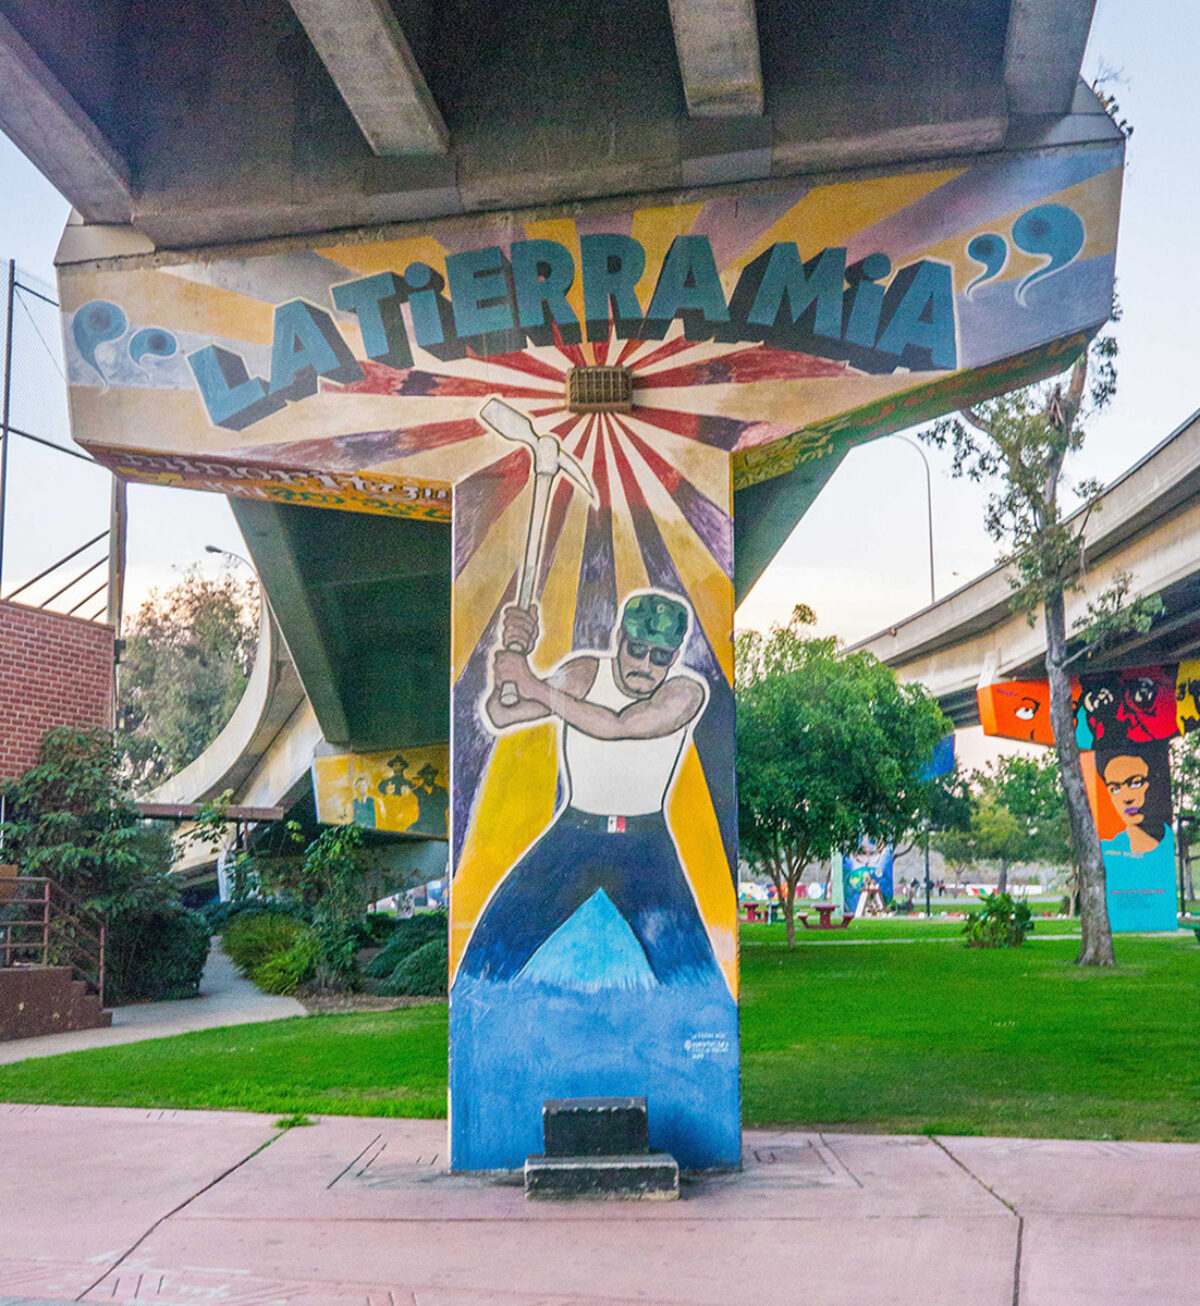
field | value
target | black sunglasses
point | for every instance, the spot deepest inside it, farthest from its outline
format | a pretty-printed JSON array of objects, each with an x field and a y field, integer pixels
[{"x": 638, "y": 648}]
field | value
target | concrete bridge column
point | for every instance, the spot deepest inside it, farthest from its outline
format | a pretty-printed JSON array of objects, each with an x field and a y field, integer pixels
[{"x": 593, "y": 944}]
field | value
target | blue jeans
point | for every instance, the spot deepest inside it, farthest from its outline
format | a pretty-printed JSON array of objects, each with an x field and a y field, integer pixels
[{"x": 637, "y": 868}]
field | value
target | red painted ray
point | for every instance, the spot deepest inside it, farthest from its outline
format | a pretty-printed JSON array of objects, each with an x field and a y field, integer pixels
[
  {"x": 522, "y": 362},
  {"x": 667, "y": 350},
  {"x": 580, "y": 450},
  {"x": 379, "y": 379},
  {"x": 668, "y": 475},
  {"x": 723, "y": 432},
  {"x": 572, "y": 353},
  {"x": 710, "y": 522},
  {"x": 758, "y": 363},
  {"x": 629, "y": 482},
  {"x": 601, "y": 348}
]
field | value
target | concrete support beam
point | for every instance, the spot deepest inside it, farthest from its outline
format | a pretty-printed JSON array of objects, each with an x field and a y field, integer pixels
[
  {"x": 362, "y": 46},
  {"x": 1043, "y": 53},
  {"x": 47, "y": 125},
  {"x": 717, "y": 43}
]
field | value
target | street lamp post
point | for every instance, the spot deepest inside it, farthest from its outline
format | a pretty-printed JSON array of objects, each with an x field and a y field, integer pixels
[{"x": 912, "y": 444}]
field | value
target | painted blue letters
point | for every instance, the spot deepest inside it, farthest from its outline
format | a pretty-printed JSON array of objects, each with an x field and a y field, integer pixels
[{"x": 306, "y": 345}]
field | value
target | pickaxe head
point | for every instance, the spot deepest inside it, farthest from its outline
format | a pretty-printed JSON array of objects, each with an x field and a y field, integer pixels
[{"x": 549, "y": 457}]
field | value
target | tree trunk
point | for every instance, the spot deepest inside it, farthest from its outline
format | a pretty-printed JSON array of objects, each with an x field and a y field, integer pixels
[
  {"x": 1096, "y": 946},
  {"x": 788, "y": 898},
  {"x": 1002, "y": 878}
]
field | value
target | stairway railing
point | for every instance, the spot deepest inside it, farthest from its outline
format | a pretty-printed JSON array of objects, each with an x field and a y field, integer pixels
[{"x": 43, "y": 925}]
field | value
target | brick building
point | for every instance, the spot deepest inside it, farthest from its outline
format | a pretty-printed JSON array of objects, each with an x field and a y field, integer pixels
[{"x": 54, "y": 671}]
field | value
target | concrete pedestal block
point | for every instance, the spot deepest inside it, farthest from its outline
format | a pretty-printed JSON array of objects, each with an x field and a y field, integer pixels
[
  {"x": 648, "y": 1176},
  {"x": 595, "y": 1126}
]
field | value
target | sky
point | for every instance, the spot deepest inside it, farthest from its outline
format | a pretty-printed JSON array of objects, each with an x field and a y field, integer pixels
[{"x": 860, "y": 557}]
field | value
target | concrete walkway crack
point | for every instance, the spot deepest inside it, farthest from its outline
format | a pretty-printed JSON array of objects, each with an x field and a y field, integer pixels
[
  {"x": 187, "y": 1201},
  {"x": 966, "y": 1169}
]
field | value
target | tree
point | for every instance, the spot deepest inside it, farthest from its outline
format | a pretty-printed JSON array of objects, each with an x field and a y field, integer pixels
[
  {"x": 187, "y": 657},
  {"x": 1019, "y": 443},
  {"x": 1031, "y": 789},
  {"x": 70, "y": 818},
  {"x": 830, "y": 748}
]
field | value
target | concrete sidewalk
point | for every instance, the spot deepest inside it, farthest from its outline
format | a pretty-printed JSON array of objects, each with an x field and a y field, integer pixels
[
  {"x": 179, "y": 1207},
  {"x": 225, "y": 999}
]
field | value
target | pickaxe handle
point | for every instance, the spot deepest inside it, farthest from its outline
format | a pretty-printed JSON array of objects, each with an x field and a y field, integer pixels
[{"x": 509, "y": 697}]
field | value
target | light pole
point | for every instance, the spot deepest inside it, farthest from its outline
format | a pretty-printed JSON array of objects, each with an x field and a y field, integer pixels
[
  {"x": 912, "y": 444},
  {"x": 212, "y": 548}
]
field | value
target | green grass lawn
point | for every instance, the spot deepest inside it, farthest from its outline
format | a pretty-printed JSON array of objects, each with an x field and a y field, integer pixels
[{"x": 900, "y": 1037}]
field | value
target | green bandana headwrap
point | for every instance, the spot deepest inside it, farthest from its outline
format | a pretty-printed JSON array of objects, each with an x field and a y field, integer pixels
[{"x": 655, "y": 619}]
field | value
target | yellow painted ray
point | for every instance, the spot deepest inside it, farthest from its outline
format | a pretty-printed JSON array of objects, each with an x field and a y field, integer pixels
[
  {"x": 789, "y": 403},
  {"x": 656, "y": 228},
  {"x": 370, "y": 257},
  {"x": 335, "y": 412},
  {"x": 130, "y": 419},
  {"x": 693, "y": 822},
  {"x": 166, "y": 298},
  {"x": 561, "y": 593},
  {"x": 691, "y": 458},
  {"x": 834, "y": 214},
  {"x": 514, "y": 805},
  {"x": 1096, "y": 200},
  {"x": 480, "y": 585},
  {"x": 709, "y": 589}
]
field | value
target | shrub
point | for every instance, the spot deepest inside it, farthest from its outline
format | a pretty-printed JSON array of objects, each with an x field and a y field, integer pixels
[
  {"x": 219, "y": 914},
  {"x": 284, "y": 972},
  {"x": 377, "y": 928},
  {"x": 423, "y": 973},
  {"x": 407, "y": 936},
  {"x": 155, "y": 954},
  {"x": 1000, "y": 923},
  {"x": 254, "y": 937}
]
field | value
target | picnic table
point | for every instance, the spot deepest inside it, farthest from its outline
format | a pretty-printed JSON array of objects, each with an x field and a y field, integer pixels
[{"x": 825, "y": 920}]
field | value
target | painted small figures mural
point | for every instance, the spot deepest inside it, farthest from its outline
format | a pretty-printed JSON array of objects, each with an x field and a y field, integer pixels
[{"x": 406, "y": 793}]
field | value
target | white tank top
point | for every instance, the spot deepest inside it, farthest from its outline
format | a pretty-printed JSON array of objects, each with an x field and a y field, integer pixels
[{"x": 619, "y": 777}]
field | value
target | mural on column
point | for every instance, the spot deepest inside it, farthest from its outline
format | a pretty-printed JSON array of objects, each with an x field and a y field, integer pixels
[
  {"x": 406, "y": 791},
  {"x": 593, "y": 944},
  {"x": 1123, "y": 722},
  {"x": 870, "y": 864},
  {"x": 425, "y": 371}
]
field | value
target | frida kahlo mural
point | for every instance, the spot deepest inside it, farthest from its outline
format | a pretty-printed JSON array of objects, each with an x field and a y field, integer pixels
[{"x": 1124, "y": 720}]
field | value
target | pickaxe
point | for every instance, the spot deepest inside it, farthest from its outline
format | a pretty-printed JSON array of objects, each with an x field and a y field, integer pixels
[{"x": 549, "y": 458}]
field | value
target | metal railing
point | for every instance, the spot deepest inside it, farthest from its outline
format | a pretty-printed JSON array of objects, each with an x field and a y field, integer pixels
[{"x": 42, "y": 925}]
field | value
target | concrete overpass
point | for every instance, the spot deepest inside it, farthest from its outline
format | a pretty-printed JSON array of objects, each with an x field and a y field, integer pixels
[
  {"x": 1147, "y": 523},
  {"x": 181, "y": 132}
]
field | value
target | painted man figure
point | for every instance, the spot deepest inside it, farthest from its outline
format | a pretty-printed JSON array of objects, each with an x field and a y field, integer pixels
[{"x": 627, "y": 717}]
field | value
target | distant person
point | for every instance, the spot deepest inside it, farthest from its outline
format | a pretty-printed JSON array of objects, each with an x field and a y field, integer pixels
[{"x": 362, "y": 805}]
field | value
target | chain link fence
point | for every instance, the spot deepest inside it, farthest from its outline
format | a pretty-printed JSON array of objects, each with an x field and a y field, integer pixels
[{"x": 55, "y": 500}]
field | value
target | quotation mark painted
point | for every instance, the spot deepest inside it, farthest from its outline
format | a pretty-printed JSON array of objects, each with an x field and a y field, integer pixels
[
  {"x": 1051, "y": 231},
  {"x": 100, "y": 321},
  {"x": 94, "y": 325}
]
